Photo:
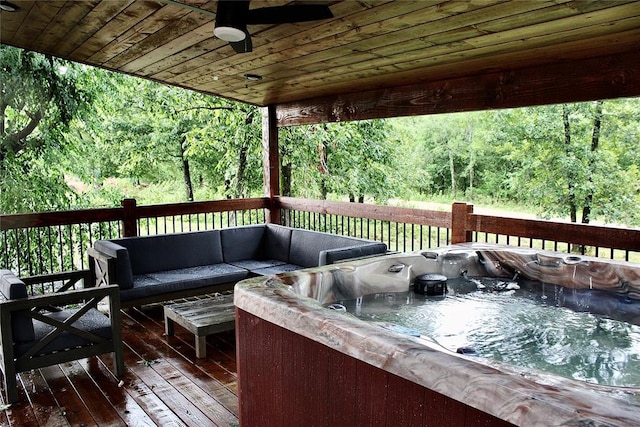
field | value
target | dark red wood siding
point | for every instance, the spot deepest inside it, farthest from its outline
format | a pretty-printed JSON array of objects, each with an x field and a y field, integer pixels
[{"x": 287, "y": 379}]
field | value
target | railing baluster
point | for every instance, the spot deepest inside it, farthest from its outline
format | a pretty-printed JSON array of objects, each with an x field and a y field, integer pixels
[
  {"x": 38, "y": 232},
  {"x": 80, "y": 241},
  {"x": 69, "y": 250},
  {"x": 17, "y": 250}
]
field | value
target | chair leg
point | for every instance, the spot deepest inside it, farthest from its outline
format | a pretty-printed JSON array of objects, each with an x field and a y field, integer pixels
[
  {"x": 118, "y": 360},
  {"x": 11, "y": 386}
]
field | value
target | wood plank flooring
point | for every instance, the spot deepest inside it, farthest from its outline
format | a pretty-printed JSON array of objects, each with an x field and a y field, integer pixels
[{"x": 164, "y": 384}]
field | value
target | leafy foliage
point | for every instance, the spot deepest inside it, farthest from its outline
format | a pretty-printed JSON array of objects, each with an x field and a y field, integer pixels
[
  {"x": 38, "y": 100},
  {"x": 354, "y": 159},
  {"x": 531, "y": 156},
  {"x": 69, "y": 131}
]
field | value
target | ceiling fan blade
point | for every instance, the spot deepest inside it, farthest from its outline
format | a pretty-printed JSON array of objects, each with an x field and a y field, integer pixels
[
  {"x": 243, "y": 46},
  {"x": 288, "y": 14}
]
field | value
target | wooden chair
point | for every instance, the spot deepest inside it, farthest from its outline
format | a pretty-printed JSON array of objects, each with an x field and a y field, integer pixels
[{"x": 35, "y": 333}]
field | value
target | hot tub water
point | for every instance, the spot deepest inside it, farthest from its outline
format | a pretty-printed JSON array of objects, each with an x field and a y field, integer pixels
[{"x": 531, "y": 325}]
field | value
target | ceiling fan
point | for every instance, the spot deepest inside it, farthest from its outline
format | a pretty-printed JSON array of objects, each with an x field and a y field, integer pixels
[{"x": 233, "y": 16}]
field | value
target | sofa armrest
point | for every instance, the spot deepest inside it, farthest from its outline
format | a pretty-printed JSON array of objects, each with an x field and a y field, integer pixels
[
  {"x": 331, "y": 256},
  {"x": 110, "y": 264}
]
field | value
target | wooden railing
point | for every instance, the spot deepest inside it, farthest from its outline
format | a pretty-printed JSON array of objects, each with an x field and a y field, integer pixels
[
  {"x": 50, "y": 242},
  {"x": 593, "y": 240},
  {"x": 402, "y": 229}
]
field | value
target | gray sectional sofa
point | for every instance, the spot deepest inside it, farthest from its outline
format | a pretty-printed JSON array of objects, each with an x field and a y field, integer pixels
[{"x": 164, "y": 267}]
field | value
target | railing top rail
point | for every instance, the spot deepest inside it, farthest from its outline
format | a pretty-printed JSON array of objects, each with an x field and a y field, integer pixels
[
  {"x": 150, "y": 211},
  {"x": 43, "y": 219},
  {"x": 364, "y": 210},
  {"x": 584, "y": 234}
]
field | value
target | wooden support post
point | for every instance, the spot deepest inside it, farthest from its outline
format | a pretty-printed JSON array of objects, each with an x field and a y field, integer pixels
[
  {"x": 459, "y": 232},
  {"x": 129, "y": 220},
  {"x": 271, "y": 160}
]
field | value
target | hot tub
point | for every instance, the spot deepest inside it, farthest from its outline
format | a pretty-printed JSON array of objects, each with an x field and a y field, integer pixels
[{"x": 300, "y": 363}]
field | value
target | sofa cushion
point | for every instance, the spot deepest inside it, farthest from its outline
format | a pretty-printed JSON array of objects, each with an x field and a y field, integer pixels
[
  {"x": 241, "y": 243},
  {"x": 93, "y": 321},
  {"x": 122, "y": 263},
  {"x": 255, "y": 264},
  {"x": 277, "y": 243},
  {"x": 306, "y": 246},
  {"x": 276, "y": 269},
  {"x": 156, "y": 283},
  {"x": 149, "y": 254},
  {"x": 13, "y": 288},
  {"x": 331, "y": 256}
]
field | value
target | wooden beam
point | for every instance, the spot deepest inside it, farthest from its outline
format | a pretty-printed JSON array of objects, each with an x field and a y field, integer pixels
[
  {"x": 459, "y": 231},
  {"x": 611, "y": 76},
  {"x": 270, "y": 159},
  {"x": 129, "y": 223}
]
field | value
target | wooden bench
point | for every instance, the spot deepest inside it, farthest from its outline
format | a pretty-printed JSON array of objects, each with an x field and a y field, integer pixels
[{"x": 203, "y": 316}]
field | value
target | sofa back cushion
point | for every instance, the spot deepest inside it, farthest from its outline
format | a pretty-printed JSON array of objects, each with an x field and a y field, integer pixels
[
  {"x": 331, "y": 256},
  {"x": 148, "y": 254},
  {"x": 277, "y": 243},
  {"x": 12, "y": 287},
  {"x": 306, "y": 246},
  {"x": 241, "y": 243}
]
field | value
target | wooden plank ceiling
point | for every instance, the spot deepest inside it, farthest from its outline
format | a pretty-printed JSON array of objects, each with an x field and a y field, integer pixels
[{"x": 368, "y": 45}]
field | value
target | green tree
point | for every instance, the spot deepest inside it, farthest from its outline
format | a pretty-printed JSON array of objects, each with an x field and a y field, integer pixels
[
  {"x": 351, "y": 159},
  {"x": 150, "y": 133},
  {"x": 39, "y": 98},
  {"x": 566, "y": 159},
  {"x": 228, "y": 147},
  {"x": 442, "y": 151}
]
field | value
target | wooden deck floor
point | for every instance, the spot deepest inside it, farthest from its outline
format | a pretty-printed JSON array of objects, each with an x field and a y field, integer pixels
[{"x": 164, "y": 384}]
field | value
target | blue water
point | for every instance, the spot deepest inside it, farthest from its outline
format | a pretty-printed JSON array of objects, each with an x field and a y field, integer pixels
[{"x": 539, "y": 326}]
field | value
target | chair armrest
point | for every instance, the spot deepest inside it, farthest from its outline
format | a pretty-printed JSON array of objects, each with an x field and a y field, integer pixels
[
  {"x": 62, "y": 298},
  {"x": 70, "y": 278}
]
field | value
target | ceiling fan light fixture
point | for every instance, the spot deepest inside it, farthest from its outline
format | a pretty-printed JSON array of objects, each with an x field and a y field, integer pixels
[
  {"x": 253, "y": 77},
  {"x": 8, "y": 7},
  {"x": 229, "y": 34}
]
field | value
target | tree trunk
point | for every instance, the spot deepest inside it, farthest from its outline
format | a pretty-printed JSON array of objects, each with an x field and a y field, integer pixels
[
  {"x": 324, "y": 170},
  {"x": 595, "y": 142},
  {"x": 242, "y": 159},
  {"x": 452, "y": 171},
  {"x": 323, "y": 189},
  {"x": 227, "y": 188},
  {"x": 285, "y": 174},
  {"x": 186, "y": 172},
  {"x": 242, "y": 166},
  {"x": 571, "y": 200}
]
